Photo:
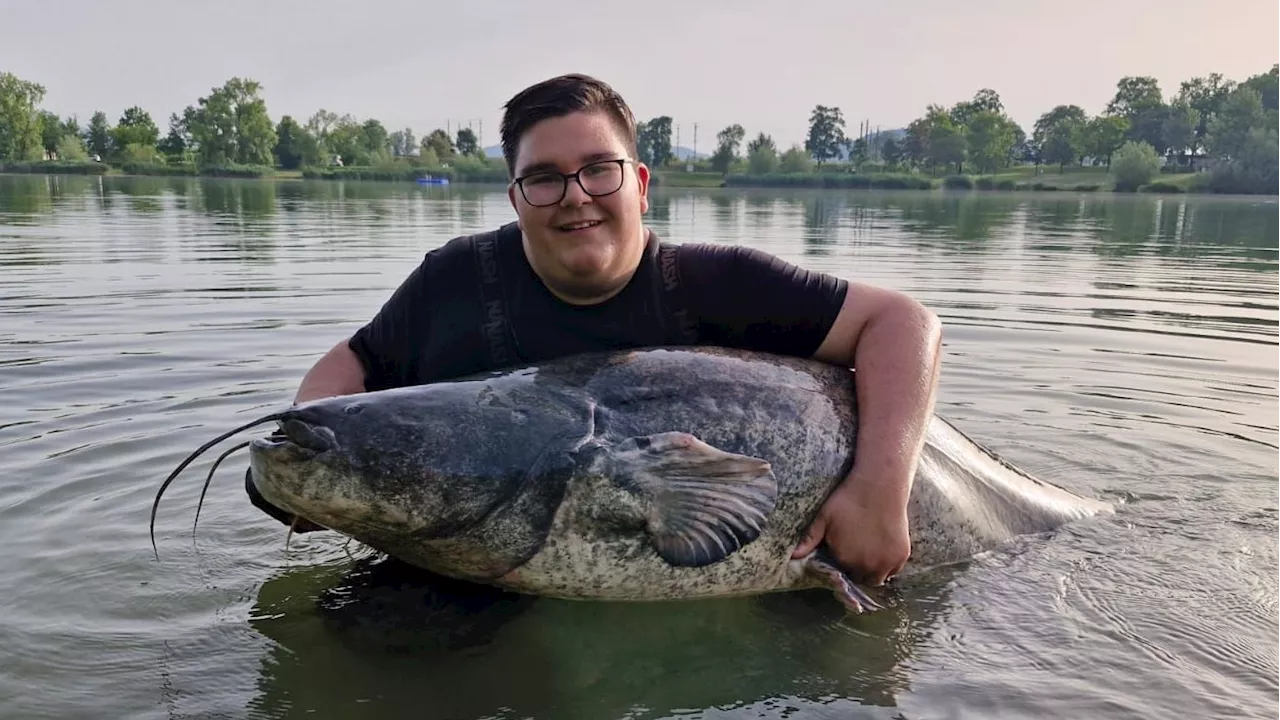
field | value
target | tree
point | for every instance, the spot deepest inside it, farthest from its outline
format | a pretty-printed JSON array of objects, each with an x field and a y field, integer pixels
[
  {"x": 1059, "y": 135},
  {"x": 468, "y": 144},
  {"x": 440, "y": 145},
  {"x": 1266, "y": 86},
  {"x": 891, "y": 151},
  {"x": 762, "y": 142},
  {"x": 796, "y": 160},
  {"x": 135, "y": 128},
  {"x": 945, "y": 141},
  {"x": 986, "y": 100},
  {"x": 1253, "y": 169},
  {"x": 1138, "y": 99},
  {"x": 375, "y": 141},
  {"x": 20, "y": 137},
  {"x": 178, "y": 141},
  {"x": 1103, "y": 135},
  {"x": 915, "y": 145},
  {"x": 295, "y": 147},
  {"x": 231, "y": 125},
  {"x": 826, "y": 133},
  {"x": 71, "y": 147},
  {"x": 1134, "y": 165},
  {"x": 1205, "y": 95},
  {"x": 762, "y": 155},
  {"x": 347, "y": 140},
  {"x": 991, "y": 140},
  {"x": 727, "y": 142},
  {"x": 402, "y": 143},
  {"x": 1241, "y": 112},
  {"x": 948, "y": 144},
  {"x": 1180, "y": 129},
  {"x": 653, "y": 141},
  {"x": 50, "y": 132},
  {"x": 98, "y": 136},
  {"x": 1021, "y": 150}
]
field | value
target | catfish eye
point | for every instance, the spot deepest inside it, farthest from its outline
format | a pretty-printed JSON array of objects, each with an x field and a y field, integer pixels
[{"x": 353, "y": 409}]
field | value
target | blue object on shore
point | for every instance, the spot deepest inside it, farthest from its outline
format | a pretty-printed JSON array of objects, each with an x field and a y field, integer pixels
[{"x": 428, "y": 180}]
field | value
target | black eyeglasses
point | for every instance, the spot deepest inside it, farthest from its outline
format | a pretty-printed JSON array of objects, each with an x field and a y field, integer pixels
[{"x": 597, "y": 179}]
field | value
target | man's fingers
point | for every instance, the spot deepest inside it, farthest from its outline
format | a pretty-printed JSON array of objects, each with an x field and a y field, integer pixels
[{"x": 812, "y": 538}]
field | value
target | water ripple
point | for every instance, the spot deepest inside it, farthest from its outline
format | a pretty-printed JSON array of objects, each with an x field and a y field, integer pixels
[{"x": 1123, "y": 347}]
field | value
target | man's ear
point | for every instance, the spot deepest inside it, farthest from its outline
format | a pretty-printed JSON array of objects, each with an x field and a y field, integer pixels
[
  {"x": 642, "y": 177},
  {"x": 511, "y": 196}
]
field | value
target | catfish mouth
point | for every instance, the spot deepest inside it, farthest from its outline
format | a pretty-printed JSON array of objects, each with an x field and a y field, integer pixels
[{"x": 302, "y": 438}]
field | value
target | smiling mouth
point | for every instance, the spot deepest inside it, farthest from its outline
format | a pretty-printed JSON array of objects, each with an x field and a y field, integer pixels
[{"x": 578, "y": 226}]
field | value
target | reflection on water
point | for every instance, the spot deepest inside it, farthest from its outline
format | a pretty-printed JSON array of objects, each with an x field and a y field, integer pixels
[
  {"x": 411, "y": 639},
  {"x": 1124, "y": 347},
  {"x": 1111, "y": 225}
]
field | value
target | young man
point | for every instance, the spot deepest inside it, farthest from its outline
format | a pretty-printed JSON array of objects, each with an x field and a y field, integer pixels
[{"x": 579, "y": 271}]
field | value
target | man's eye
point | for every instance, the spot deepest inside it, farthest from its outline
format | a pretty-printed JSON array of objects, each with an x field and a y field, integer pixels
[{"x": 540, "y": 179}]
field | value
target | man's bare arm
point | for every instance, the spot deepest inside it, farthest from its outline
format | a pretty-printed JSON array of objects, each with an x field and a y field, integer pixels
[
  {"x": 339, "y": 372},
  {"x": 894, "y": 343}
]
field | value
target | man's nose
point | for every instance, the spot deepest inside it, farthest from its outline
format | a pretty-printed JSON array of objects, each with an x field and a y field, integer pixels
[{"x": 574, "y": 195}]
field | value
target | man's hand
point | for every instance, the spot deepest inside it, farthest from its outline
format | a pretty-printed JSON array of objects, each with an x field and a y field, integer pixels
[
  {"x": 893, "y": 343},
  {"x": 864, "y": 525}
]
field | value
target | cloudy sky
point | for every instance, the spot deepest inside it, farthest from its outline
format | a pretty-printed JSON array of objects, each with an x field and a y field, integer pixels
[{"x": 761, "y": 64}]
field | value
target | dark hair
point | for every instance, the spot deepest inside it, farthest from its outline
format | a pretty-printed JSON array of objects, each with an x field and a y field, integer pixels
[{"x": 557, "y": 97}]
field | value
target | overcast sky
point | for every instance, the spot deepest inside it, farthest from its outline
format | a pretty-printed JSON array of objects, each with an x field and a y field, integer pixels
[{"x": 761, "y": 64}]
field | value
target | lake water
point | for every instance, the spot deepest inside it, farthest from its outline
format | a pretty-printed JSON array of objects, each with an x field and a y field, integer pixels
[{"x": 1123, "y": 347}]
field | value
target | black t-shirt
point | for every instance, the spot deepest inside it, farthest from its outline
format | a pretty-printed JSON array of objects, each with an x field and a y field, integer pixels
[{"x": 433, "y": 326}]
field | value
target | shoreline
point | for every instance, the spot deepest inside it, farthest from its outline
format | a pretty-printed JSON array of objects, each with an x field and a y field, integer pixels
[{"x": 1018, "y": 180}]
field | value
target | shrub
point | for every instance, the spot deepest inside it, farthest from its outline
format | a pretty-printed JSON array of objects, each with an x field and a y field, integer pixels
[
  {"x": 56, "y": 167},
  {"x": 1133, "y": 165},
  {"x": 71, "y": 148},
  {"x": 147, "y": 168},
  {"x": 1254, "y": 172},
  {"x": 796, "y": 160},
  {"x": 847, "y": 181},
  {"x": 958, "y": 182},
  {"x": 236, "y": 171}
]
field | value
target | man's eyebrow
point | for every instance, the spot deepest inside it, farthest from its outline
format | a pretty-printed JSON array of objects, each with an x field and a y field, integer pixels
[
  {"x": 537, "y": 167},
  {"x": 585, "y": 160}
]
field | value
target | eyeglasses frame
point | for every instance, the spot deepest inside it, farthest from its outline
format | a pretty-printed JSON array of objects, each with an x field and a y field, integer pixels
[{"x": 576, "y": 175}]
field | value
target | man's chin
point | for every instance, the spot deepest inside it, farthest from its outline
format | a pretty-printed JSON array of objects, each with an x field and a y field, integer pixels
[{"x": 585, "y": 278}]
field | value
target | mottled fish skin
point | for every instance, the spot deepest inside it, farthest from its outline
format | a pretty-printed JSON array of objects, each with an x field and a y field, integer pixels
[
  {"x": 510, "y": 478},
  {"x": 794, "y": 414}
]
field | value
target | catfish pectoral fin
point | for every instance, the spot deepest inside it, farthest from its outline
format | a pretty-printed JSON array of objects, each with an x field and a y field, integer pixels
[
  {"x": 823, "y": 569},
  {"x": 702, "y": 503}
]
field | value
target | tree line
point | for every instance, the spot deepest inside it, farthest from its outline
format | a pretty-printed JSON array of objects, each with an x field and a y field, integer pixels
[
  {"x": 1211, "y": 122},
  {"x": 228, "y": 127}
]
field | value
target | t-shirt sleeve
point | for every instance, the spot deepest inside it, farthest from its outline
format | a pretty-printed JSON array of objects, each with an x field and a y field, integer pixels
[
  {"x": 747, "y": 298},
  {"x": 387, "y": 345}
]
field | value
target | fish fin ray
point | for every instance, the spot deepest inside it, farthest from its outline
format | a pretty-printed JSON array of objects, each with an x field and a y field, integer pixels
[
  {"x": 702, "y": 504},
  {"x": 822, "y": 567}
]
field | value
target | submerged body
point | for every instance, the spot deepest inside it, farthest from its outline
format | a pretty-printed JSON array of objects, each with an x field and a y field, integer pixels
[{"x": 640, "y": 475}]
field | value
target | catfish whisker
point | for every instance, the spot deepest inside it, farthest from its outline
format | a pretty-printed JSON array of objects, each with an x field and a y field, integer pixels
[
  {"x": 155, "y": 505},
  {"x": 209, "y": 479}
]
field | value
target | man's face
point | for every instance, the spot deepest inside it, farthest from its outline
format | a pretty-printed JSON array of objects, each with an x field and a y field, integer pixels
[{"x": 581, "y": 264}]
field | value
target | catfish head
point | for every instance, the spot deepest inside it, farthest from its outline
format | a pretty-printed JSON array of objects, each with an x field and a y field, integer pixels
[{"x": 445, "y": 471}]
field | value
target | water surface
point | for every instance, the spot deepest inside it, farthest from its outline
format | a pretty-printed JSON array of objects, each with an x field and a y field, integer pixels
[{"x": 1123, "y": 347}]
